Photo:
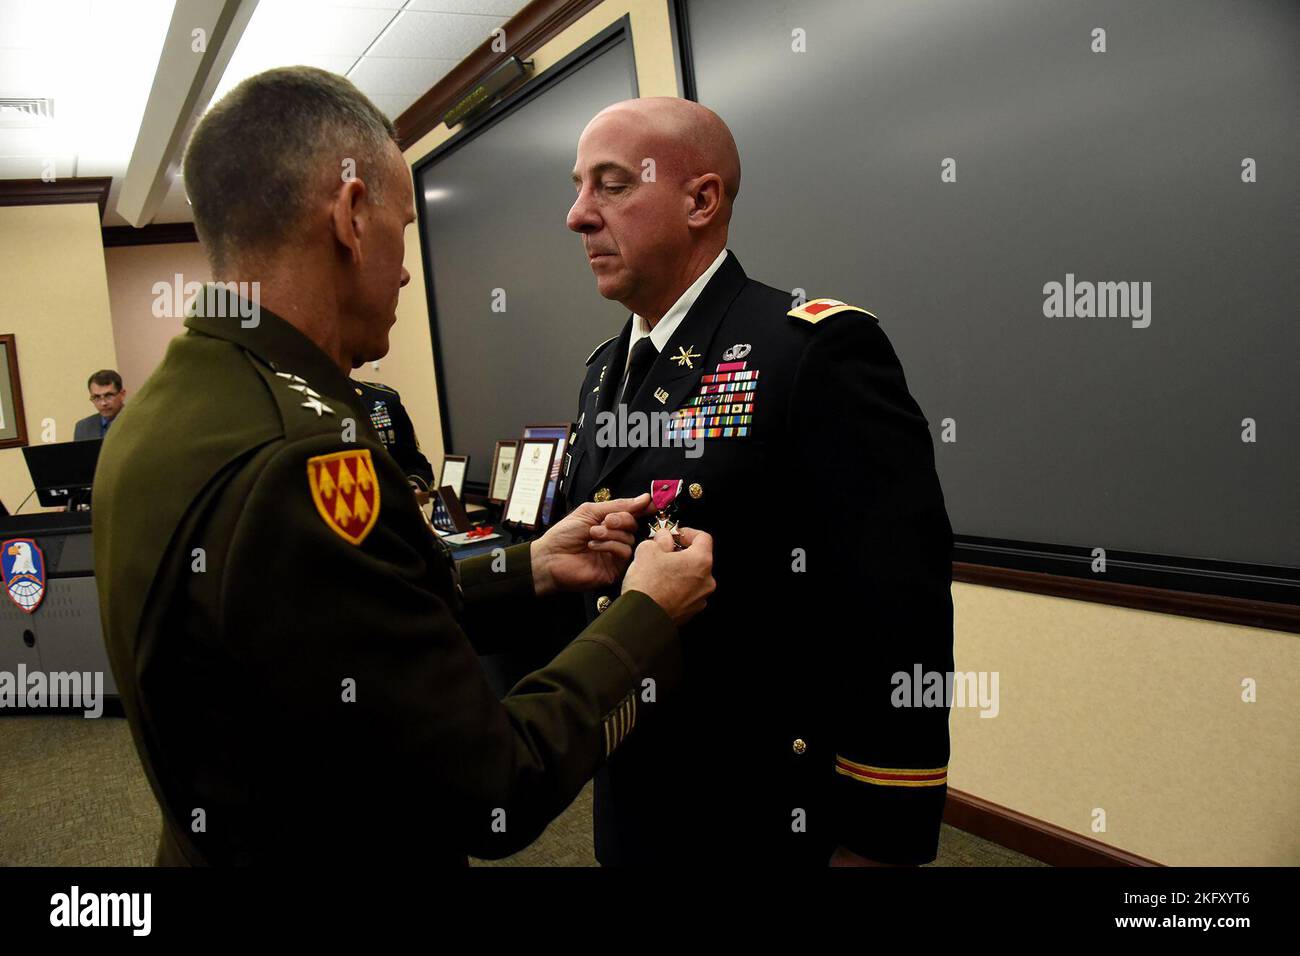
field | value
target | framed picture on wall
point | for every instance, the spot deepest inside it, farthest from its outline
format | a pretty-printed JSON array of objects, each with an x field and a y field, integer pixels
[{"x": 13, "y": 422}]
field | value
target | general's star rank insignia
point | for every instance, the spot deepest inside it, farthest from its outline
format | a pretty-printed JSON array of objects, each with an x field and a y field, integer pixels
[{"x": 346, "y": 492}]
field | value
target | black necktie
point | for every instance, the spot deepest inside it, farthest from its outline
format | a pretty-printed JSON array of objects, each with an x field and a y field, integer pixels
[{"x": 644, "y": 354}]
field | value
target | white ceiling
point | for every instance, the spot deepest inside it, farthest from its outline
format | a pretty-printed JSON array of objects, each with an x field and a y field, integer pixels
[{"x": 96, "y": 60}]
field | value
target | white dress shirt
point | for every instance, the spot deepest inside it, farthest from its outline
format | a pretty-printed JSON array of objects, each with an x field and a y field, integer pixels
[{"x": 666, "y": 326}]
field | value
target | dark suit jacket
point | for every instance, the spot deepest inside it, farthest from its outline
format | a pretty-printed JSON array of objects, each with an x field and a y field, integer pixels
[
  {"x": 87, "y": 429},
  {"x": 833, "y": 563}
]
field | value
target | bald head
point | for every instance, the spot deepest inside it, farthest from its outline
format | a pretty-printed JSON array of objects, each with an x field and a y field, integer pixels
[
  {"x": 690, "y": 137},
  {"x": 656, "y": 180}
]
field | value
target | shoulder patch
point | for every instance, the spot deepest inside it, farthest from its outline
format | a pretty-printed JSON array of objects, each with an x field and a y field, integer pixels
[
  {"x": 596, "y": 350},
  {"x": 346, "y": 492},
  {"x": 815, "y": 310}
]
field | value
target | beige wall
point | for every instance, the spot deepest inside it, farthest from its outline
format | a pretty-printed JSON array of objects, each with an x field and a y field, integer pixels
[
  {"x": 140, "y": 337},
  {"x": 1135, "y": 713},
  {"x": 1138, "y": 714},
  {"x": 54, "y": 298}
]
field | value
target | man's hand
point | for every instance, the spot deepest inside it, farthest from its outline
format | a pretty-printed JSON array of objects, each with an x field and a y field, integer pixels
[
  {"x": 589, "y": 548},
  {"x": 678, "y": 581}
]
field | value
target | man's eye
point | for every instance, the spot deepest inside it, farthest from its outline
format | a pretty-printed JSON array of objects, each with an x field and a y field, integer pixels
[{"x": 615, "y": 187}]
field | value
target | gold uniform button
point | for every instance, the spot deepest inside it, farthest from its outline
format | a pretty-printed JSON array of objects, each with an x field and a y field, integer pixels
[
  {"x": 696, "y": 490},
  {"x": 602, "y": 494},
  {"x": 602, "y": 603},
  {"x": 799, "y": 745},
  {"x": 358, "y": 391}
]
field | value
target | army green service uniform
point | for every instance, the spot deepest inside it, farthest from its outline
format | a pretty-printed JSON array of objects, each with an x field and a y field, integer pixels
[{"x": 287, "y": 632}]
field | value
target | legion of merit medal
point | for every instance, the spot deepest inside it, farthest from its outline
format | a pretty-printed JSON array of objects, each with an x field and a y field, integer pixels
[{"x": 663, "y": 493}]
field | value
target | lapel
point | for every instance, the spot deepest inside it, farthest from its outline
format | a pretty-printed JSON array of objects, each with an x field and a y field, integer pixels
[
  {"x": 694, "y": 336},
  {"x": 602, "y": 398}
]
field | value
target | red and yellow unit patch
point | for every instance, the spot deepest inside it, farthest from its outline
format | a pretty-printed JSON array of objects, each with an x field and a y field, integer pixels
[
  {"x": 891, "y": 776},
  {"x": 817, "y": 309},
  {"x": 346, "y": 492}
]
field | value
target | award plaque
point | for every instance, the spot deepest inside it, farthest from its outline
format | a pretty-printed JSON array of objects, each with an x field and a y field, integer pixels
[
  {"x": 528, "y": 488},
  {"x": 453, "y": 472},
  {"x": 503, "y": 470}
]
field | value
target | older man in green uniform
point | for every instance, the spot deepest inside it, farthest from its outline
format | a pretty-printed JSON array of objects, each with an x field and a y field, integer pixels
[{"x": 289, "y": 637}]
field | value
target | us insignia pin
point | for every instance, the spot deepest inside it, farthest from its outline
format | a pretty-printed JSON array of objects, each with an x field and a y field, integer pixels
[
  {"x": 346, "y": 492},
  {"x": 661, "y": 394},
  {"x": 23, "y": 564}
]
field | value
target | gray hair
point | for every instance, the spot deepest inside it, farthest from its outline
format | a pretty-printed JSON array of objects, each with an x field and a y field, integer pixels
[{"x": 277, "y": 139}]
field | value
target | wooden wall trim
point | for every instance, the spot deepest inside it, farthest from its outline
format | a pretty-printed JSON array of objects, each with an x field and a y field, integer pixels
[
  {"x": 1036, "y": 838},
  {"x": 1210, "y": 607},
  {"x": 37, "y": 192},
  {"x": 157, "y": 234},
  {"x": 527, "y": 30}
]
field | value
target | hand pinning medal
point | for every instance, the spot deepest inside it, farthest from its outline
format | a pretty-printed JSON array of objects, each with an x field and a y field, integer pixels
[{"x": 663, "y": 493}]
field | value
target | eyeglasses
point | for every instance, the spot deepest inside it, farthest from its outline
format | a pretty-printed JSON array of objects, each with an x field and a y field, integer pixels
[{"x": 106, "y": 397}]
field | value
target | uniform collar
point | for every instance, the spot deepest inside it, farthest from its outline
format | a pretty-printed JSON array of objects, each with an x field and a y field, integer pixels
[
  {"x": 272, "y": 339},
  {"x": 665, "y": 327}
]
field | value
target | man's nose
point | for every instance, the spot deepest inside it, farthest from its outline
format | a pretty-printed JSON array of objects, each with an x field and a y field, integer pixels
[
  {"x": 582, "y": 217},
  {"x": 406, "y": 277}
]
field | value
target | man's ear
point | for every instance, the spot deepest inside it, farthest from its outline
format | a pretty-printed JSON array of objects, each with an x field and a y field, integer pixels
[
  {"x": 706, "y": 200},
  {"x": 348, "y": 215}
]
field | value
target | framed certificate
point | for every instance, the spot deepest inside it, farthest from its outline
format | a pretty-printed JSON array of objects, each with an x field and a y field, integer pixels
[
  {"x": 503, "y": 470},
  {"x": 453, "y": 472},
  {"x": 528, "y": 488},
  {"x": 13, "y": 420},
  {"x": 561, "y": 433}
]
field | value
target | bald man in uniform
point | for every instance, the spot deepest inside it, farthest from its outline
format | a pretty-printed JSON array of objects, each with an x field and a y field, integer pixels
[{"x": 792, "y": 437}]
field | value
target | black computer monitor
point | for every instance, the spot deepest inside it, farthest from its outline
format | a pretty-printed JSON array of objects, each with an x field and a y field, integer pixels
[{"x": 63, "y": 472}]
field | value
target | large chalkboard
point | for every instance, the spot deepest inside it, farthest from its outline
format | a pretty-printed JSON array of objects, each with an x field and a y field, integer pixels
[
  {"x": 512, "y": 300},
  {"x": 1068, "y": 165}
]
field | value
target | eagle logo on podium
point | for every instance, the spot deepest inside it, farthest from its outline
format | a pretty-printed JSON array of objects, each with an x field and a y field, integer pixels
[
  {"x": 346, "y": 492},
  {"x": 23, "y": 564}
]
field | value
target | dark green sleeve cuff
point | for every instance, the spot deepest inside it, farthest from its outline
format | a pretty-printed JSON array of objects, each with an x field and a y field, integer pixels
[
  {"x": 642, "y": 635},
  {"x": 513, "y": 581}
]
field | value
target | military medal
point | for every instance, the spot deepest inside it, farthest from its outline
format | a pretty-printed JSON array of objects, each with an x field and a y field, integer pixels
[{"x": 663, "y": 493}]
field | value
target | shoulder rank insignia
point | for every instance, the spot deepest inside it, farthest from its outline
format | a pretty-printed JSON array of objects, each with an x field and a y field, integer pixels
[
  {"x": 346, "y": 492},
  {"x": 23, "y": 563},
  {"x": 596, "y": 350},
  {"x": 815, "y": 310}
]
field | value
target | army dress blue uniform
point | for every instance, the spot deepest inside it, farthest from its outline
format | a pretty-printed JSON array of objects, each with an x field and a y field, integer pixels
[
  {"x": 832, "y": 552},
  {"x": 383, "y": 406}
]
